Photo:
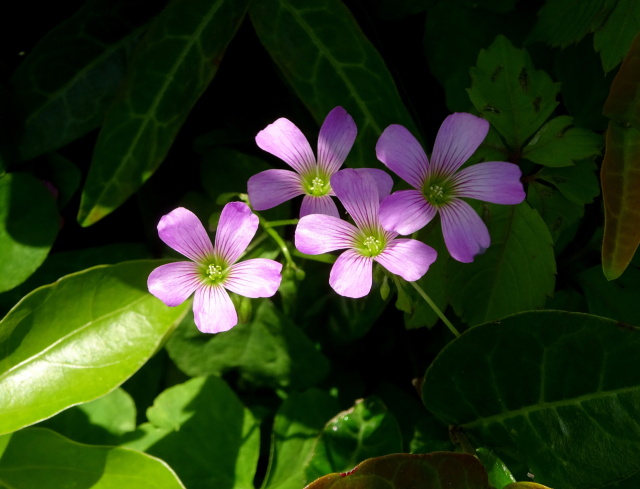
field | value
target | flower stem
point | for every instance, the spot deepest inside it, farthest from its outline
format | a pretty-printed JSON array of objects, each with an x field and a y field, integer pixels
[
  {"x": 435, "y": 308},
  {"x": 283, "y": 246}
]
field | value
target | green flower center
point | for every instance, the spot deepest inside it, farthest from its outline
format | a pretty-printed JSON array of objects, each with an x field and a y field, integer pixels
[
  {"x": 216, "y": 272},
  {"x": 371, "y": 243},
  {"x": 437, "y": 192},
  {"x": 317, "y": 186}
]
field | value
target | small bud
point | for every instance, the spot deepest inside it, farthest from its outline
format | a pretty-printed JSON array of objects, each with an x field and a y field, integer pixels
[{"x": 385, "y": 288}]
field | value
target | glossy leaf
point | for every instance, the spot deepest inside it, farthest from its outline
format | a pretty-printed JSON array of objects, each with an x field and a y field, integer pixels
[
  {"x": 204, "y": 432},
  {"x": 27, "y": 231},
  {"x": 498, "y": 473},
  {"x": 510, "y": 93},
  {"x": 268, "y": 351},
  {"x": 401, "y": 471},
  {"x": 78, "y": 339},
  {"x": 614, "y": 39},
  {"x": 328, "y": 61},
  {"x": 559, "y": 143},
  {"x": 525, "y": 485},
  {"x": 620, "y": 173},
  {"x": 366, "y": 430},
  {"x": 298, "y": 422},
  {"x": 71, "y": 76},
  {"x": 515, "y": 274},
  {"x": 558, "y": 391},
  {"x": 36, "y": 458},
  {"x": 172, "y": 66}
]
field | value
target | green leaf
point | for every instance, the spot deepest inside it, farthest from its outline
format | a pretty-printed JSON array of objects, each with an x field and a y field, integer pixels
[
  {"x": 366, "y": 430},
  {"x": 578, "y": 183},
  {"x": 515, "y": 274},
  {"x": 78, "y": 339},
  {"x": 499, "y": 474},
  {"x": 560, "y": 392},
  {"x": 237, "y": 167},
  {"x": 327, "y": 60},
  {"x": 170, "y": 69},
  {"x": 510, "y": 93},
  {"x": 99, "y": 422},
  {"x": 269, "y": 351},
  {"x": 559, "y": 143},
  {"x": 614, "y": 39},
  {"x": 564, "y": 22},
  {"x": 299, "y": 421},
  {"x": 530, "y": 485},
  {"x": 36, "y": 458},
  {"x": 204, "y": 432},
  {"x": 28, "y": 227},
  {"x": 71, "y": 76},
  {"x": 402, "y": 471}
]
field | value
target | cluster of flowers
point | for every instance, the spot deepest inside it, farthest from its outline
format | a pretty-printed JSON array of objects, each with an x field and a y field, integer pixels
[{"x": 379, "y": 215}]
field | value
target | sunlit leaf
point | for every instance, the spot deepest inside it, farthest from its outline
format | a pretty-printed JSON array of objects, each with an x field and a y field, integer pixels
[
  {"x": 204, "y": 432},
  {"x": 558, "y": 391},
  {"x": 498, "y": 473},
  {"x": 328, "y": 61},
  {"x": 36, "y": 458},
  {"x": 170, "y": 69},
  {"x": 78, "y": 339}
]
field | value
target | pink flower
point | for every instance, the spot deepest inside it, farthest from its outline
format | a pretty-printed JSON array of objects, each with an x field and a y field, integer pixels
[
  {"x": 439, "y": 185},
  {"x": 312, "y": 177},
  {"x": 366, "y": 242},
  {"x": 213, "y": 269}
]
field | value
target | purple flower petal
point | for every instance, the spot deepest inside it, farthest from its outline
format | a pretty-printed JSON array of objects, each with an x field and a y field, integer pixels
[
  {"x": 358, "y": 192},
  {"x": 270, "y": 188},
  {"x": 406, "y": 211},
  {"x": 337, "y": 134},
  {"x": 408, "y": 258},
  {"x": 236, "y": 228},
  {"x": 318, "y": 205},
  {"x": 493, "y": 181},
  {"x": 458, "y": 138},
  {"x": 351, "y": 274},
  {"x": 284, "y": 140},
  {"x": 384, "y": 182},
  {"x": 402, "y": 153},
  {"x": 173, "y": 283},
  {"x": 213, "y": 310},
  {"x": 464, "y": 232},
  {"x": 184, "y": 232},
  {"x": 259, "y": 277},
  {"x": 318, "y": 233}
]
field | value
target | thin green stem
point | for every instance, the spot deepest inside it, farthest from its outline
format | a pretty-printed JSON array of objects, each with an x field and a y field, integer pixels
[
  {"x": 435, "y": 308},
  {"x": 283, "y": 246},
  {"x": 283, "y": 222}
]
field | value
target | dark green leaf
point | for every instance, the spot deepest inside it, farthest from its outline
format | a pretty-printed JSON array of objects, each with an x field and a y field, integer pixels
[
  {"x": 237, "y": 168},
  {"x": 268, "y": 351},
  {"x": 172, "y": 66},
  {"x": 558, "y": 391},
  {"x": 510, "y": 93},
  {"x": 366, "y": 430},
  {"x": 298, "y": 423},
  {"x": 29, "y": 223},
  {"x": 78, "y": 339},
  {"x": 403, "y": 471},
  {"x": 66, "y": 83},
  {"x": 614, "y": 39},
  {"x": 204, "y": 432},
  {"x": 36, "y": 458},
  {"x": 515, "y": 274},
  {"x": 327, "y": 60},
  {"x": 578, "y": 183}
]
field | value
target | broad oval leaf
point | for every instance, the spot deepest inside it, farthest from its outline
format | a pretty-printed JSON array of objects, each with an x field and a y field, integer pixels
[
  {"x": 28, "y": 227},
  {"x": 613, "y": 39},
  {"x": 78, "y": 339},
  {"x": 558, "y": 391},
  {"x": 401, "y": 470},
  {"x": 170, "y": 69},
  {"x": 202, "y": 429},
  {"x": 37, "y": 458},
  {"x": 328, "y": 61}
]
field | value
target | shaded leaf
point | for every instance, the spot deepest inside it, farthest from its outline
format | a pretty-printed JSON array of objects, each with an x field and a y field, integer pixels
[
  {"x": 78, "y": 339},
  {"x": 170, "y": 69},
  {"x": 28, "y": 227},
  {"x": 578, "y": 183},
  {"x": 70, "y": 77},
  {"x": 558, "y": 391},
  {"x": 36, "y": 458},
  {"x": 614, "y": 38},
  {"x": 204, "y": 432},
  {"x": 515, "y": 274},
  {"x": 328, "y": 61},
  {"x": 401, "y": 471},
  {"x": 366, "y": 430},
  {"x": 510, "y": 93}
]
